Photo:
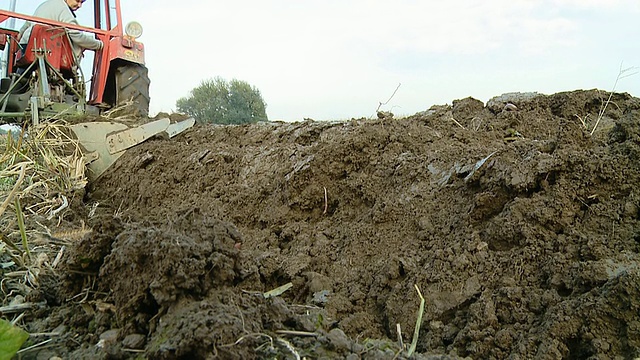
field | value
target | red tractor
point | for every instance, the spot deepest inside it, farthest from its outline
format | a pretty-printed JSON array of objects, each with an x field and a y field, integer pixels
[
  {"x": 119, "y": 74},
  {"x": 45, "y": 80}
]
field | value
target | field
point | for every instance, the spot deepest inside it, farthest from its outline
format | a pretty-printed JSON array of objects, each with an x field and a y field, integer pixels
[{"x": 518, "y": 221}]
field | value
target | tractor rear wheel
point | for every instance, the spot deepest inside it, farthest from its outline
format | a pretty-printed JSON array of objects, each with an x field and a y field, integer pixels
[{"x": 132, "y": 85}]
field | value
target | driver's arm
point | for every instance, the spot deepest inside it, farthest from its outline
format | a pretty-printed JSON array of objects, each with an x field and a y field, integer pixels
[{"x": 79, "y": 38}]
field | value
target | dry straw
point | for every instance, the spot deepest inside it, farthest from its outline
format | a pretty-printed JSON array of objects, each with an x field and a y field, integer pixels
[{"x": 40, "y": 171}]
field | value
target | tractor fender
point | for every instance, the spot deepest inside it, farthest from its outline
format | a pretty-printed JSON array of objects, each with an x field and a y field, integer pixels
[
  {"x": 118, "y": 51},
  {"x": 126, "y": 49}
]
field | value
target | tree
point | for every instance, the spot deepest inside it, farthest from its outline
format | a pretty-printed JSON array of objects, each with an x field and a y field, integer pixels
[{"x": 220, "y": 102}]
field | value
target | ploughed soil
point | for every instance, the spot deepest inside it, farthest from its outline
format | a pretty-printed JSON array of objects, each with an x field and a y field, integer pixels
[{"x": 518, "y": 224}]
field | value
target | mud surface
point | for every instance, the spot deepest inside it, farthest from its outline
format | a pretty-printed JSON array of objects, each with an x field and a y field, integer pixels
[{"x": 520, "y": 228}]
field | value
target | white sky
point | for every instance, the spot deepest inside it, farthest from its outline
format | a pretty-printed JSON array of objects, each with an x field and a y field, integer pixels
[{"x": 333, "y": 60}]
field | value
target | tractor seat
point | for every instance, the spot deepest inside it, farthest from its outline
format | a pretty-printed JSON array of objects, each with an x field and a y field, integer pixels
[{"x": 56, "y": 45}]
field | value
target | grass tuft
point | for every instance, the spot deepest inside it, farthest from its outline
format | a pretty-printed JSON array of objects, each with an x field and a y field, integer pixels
[{"x": 40, "y": 171}]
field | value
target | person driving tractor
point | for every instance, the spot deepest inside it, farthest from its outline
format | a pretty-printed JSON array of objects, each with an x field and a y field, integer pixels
[
  {"x": 62, "y": 11},
  {"x": 45, "y": 78}
]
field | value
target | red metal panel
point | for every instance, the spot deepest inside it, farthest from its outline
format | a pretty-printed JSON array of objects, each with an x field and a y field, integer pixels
[
  {"x": 128, "y": 49},
  {"x": 113, "y": 39},
  {"x": 38, "y": 20},
  {"x": 55, "y": 41},
  {"x": 113, "y": 50},
  {"x": 13, "y": 46}
]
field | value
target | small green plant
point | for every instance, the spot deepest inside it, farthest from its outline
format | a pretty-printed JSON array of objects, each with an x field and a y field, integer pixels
[
  {"x": 23, "y": 230},
  {"x": 11, "y": 339},
  {"x": 7, "y": 183},
  {"x": 416, "y": 332}
]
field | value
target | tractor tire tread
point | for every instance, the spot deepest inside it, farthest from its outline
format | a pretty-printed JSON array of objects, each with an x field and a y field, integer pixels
[{"x": 132, "y": 84}]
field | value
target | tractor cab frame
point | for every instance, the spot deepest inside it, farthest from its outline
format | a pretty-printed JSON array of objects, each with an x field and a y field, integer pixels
[{"x": 45, "y": 79}]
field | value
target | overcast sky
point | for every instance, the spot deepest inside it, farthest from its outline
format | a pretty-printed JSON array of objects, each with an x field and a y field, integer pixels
[{"x": 334, "y": 60}]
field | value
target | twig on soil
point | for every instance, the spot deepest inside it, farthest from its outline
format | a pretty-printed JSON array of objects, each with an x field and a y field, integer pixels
[
  {"x": 326, "y": 202},
  {"x": 583, "y": 121},
  {"x": 119, "y": 211},
  {"x": 241, "y": 339},
  {"x": 32, "y": 347},
  {"x": 13, "y": 191},
  {"x": 16, "y": 274},
  {"x": 92, "y": 212},
  {"x": 17, "y": 319},
  {"x": 252, "y": 293},
  {"x": 118, "y": 112},
  {"x": 277, "y": 291},
  {"x": 56, "y": 261},
  {"x": 248, "y": 335},
  {"x": 22, "y": 228},
  {"x": 416, "y": 333},
  {"x": 313, "y": 307},
  {"x": 391, "y": 97},
  {"x": 397, "y": 354},
  {"x": 17, "y": 259},
  {"x": 289, "y": 347},
  {"x": 65, "y": 204},
  {"x": 241, "y": 316},
  {"x": 49, "y": 334},
  {"x": 623, "y": 73},
  {"x": 84, "y": 293},
  {"x": 12, "y": 309},
  {"x": 296, "y": 333},
  {"x": 85, "y": 273},
  {"x": 457, "y": 123},
  {"x": 479, "y": 124},
  {"x": 399, "y": 331}
]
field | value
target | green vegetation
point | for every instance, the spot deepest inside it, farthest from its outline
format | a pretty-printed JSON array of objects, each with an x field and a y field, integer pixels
[
  {"x": 220, "y": 102},
  {"x": 11, "y": 339}
]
